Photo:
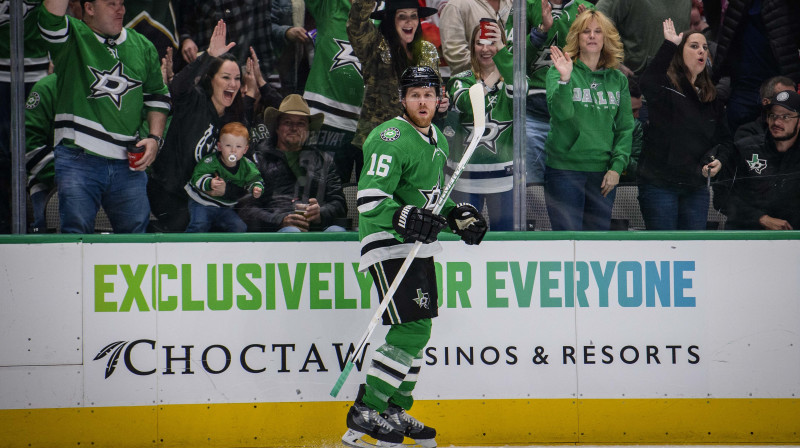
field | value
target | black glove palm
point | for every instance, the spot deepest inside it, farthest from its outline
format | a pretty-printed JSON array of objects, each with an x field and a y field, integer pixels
[
  {"x": 418, "y": 224},
  {"x": 468, "y": 223}
]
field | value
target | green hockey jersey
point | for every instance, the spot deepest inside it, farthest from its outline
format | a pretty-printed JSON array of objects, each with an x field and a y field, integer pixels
[
  {"x": 39, "y": 112},
  {"x": 401, "y": 167},
  {"x": 490, "y": 167},
  {"x": 335, "y": 85},
  {"x": 244, "y": 175},
  {"x": 36, "y": 60},
  {"x": 104, "y": 83}
]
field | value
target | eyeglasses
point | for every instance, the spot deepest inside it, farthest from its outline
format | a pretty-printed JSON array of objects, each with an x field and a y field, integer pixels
[{"x": 784, "y": 118}]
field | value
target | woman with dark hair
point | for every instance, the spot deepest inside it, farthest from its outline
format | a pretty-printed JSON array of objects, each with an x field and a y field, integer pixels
[
  {"x": 591, "y": 125},
  {"x": 687, "y": 140},
  {"x": 200, "y": 109},
  {"x": 488, "y": 177},
  {"x": 385, "y": 52}
]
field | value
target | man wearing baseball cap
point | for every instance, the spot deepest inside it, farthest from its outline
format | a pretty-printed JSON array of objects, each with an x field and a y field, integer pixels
[{"x": 766, "y": 189}]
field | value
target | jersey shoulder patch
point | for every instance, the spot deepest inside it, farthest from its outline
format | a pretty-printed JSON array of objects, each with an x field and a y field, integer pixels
[{"x": 390, "y": 134}]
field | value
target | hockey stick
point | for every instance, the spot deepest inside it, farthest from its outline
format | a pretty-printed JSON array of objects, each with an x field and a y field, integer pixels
[{"x": 479, "y": 114}]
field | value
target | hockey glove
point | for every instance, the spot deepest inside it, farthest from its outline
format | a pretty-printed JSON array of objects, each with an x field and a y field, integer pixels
[
  {"x": 417, "y": 224},
  {"x": 468, "y": 223}
]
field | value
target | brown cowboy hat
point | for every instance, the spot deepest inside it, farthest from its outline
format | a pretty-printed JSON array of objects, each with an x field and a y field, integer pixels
[
  {"x": 394, "y": 5},
  {"x": 293, "y": 104}
]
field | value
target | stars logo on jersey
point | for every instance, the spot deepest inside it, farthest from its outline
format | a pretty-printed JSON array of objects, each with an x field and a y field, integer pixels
[
  {"x": 345, "y": 56},
  {"x": 756, "y": 164},
  {"x": 33, "y": 101},
  {"x": 545, "y": 59},
  {"x": 390, "y": 134},
  {"x": 494, "y": 129},
  {"x": 432, "y": 196},
  {"x": 423, "y": 299},
  {"x": 5, "y": 7},
  {"x": 113, "y": 84}
]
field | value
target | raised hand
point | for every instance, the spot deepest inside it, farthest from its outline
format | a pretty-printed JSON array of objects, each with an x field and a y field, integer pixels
[
  {"x": 217, "y": 45},
  {"x": 166, "y": 67},
  {"x": 257, "y": 68},
  {"x": 562, "y": 62},
  {"x": 547, "y": 15},
  {"x": 494, "y": 34},
  {"x": 669, "y": 32},
  {"x": 249, "y": 81},
  {"x": 188, "y": 50}
]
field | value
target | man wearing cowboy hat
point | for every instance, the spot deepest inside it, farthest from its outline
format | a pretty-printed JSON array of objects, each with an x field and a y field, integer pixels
[
  {"x": 766, "y": 187},
  {"x": 302, "y": 191}
]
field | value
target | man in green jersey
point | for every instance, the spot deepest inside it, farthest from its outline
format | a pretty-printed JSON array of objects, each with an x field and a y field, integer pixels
[
  {"x": 399, "y": 187},
  {"x": 107, "y": 76}
]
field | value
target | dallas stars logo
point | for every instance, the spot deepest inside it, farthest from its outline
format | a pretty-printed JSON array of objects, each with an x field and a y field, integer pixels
[
  {"x": 545, "y": 58},
  {"x": 345, "y": 56},
  {"x": 423, "y": 299},
  {"x": 432, "y": 196},
  {"x": 5, "y": 7},
  {"x": 112, "y": 84},
  {"x": 33, "y": 101},
  {"x": 494, "y": 129},
  {"x": 756, "y": 164}
]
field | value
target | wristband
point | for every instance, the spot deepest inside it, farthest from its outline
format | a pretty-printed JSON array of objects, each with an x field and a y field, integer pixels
[{"x": 158, "y": 140}]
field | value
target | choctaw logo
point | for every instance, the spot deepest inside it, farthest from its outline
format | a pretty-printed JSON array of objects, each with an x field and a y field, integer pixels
[
  {"x": 113, "y": 349},
  {"x": 390, "y": 134}
]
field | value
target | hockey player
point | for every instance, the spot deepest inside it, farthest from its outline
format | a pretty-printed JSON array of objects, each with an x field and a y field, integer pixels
[{"x": 400, "y": 185}]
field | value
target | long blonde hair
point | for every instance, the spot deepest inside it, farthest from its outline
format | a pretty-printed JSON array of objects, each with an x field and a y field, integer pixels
[{"x": 612, "y": 54}]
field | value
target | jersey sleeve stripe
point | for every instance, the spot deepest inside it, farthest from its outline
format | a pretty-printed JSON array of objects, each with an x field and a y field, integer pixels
[
  {"x": 157, "y": 101},
  {"x": 56, "y": 36},
  {"x": 368, "y": 199}
]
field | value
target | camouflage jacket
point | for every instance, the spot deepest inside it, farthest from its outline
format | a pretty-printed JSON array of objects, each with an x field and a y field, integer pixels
[{"x": 381, "y": 84}]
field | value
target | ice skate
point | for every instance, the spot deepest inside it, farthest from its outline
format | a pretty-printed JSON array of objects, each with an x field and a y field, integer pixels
[
  {"x": 424, "y": 436},
  {"x": 366, "y": 428}
]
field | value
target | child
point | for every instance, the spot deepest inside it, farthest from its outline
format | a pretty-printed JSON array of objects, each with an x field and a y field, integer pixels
[{"x": 210, "y": 206}]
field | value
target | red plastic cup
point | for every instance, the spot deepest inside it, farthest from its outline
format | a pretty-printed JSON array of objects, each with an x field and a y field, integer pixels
[
  {"x": 135, "y": 153},
  {"x": 484, "y": 29}
]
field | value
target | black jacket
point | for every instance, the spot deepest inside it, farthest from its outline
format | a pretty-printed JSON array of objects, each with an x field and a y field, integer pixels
[
  {"x": 682, "y": 131},
  {"x": 765, "y": 182},
  {"x": 780, "y": 17},
  {"x": 281, "y": 187}
]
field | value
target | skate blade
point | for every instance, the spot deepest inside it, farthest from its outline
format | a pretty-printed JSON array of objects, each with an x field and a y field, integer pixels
[
  {"x": 355, "y": 439},
  {"x": 422, "y": 443}
]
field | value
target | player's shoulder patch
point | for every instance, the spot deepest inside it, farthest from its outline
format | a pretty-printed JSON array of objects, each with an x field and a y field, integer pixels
[
  {"x": 33, "y": 100},
  {"x": 208, "y": 159},
  {"x": 390, "y": 134}
]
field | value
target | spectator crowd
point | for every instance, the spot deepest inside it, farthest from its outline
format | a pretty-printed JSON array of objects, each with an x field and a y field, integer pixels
[{"x": 251, "y": 115}]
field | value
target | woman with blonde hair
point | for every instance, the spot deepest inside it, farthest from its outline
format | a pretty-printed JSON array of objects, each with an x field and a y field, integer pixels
[{"x": 591, "y": 125}]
